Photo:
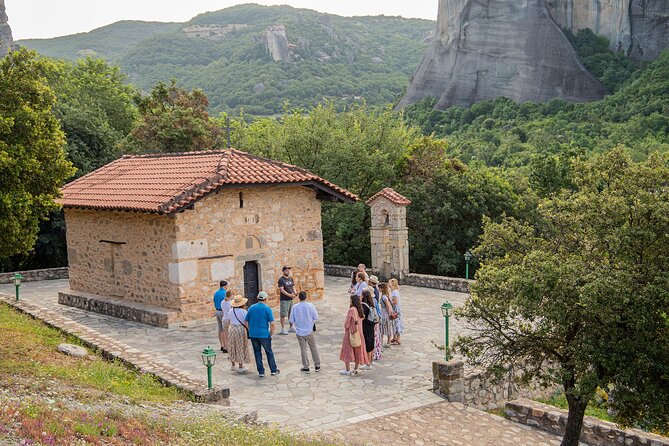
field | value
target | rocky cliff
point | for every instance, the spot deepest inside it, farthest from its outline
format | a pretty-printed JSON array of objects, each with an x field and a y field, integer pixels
[
  {"x": 6, "y": 41},
  {"x": 276, "y": 43},
  {"x": 640, "y": 28},
  {"x": 484, "y": 49}
]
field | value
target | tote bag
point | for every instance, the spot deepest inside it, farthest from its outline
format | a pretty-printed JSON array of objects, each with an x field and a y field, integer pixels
[{"x": 355, "y": 339}]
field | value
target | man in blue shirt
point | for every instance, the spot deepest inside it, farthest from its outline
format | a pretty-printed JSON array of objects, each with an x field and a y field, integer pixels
[
  {"x": 261, "y": 329},
  {"x": 219, "y": 297},
  {"x": 304, "y": 317}
]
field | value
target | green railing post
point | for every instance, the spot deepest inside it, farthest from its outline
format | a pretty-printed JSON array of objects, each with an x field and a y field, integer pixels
[
  {"x": 446, "y": 310},
  {"x": 209, "y": 359},
  {"x": 17, "y": 283}
]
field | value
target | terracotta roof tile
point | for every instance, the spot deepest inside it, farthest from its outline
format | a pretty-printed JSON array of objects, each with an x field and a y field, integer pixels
[
  {"x": 165, "y": 183},
  {"x": 391, "y": 195}
]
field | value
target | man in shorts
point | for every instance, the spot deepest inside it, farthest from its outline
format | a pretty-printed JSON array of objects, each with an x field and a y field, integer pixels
[
  {"x": 219, "y": 298},
  {"x": 286, "y": 296}
]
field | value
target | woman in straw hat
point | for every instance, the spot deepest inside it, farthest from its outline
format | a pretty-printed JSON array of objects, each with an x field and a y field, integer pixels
[{"x": 238, "y": 342}]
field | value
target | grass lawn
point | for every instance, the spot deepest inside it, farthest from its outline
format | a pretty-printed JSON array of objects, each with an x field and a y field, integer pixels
[
  {"x": 28, "y": 348},
  {"x": 48, "y": 398},
  {"x": 593, "y": 410}
]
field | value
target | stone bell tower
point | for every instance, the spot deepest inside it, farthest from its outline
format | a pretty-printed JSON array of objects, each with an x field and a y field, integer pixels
[{"x": 389, "y": 234}]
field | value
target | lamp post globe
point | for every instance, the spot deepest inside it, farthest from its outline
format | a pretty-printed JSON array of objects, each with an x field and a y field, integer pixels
[
  {"x": 468, "y": 258},
  {"x": 209, "y": 359},
  {"x": 446, "y": 311},
  {"x": 17, "y": 283}
]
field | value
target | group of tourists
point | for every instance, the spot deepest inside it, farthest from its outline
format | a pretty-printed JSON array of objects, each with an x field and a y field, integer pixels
[
  {"x": 237, "y": 326},
  {"x": 374, "y": 313}
]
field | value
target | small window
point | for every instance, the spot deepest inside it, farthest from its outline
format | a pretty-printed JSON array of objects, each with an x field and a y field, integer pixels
[
  {"x": 241, "y": 199},
  {"x": 386, "y": 221}
]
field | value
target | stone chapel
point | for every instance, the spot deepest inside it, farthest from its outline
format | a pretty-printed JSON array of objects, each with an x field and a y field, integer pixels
[{"x": 150, "y": 236}]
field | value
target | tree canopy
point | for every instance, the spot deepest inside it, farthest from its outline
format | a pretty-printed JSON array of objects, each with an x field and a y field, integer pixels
[
  {"x": 580, "y": 296},
  {"x": 32, "y": 161},
  {"x": 172, "y": 119}
]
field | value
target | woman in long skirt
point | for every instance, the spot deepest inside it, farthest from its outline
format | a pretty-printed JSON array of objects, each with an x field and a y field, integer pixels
[
  {"x": 394, "y": 288},
  {"x": 238, "y": 342},
  {"x": 353, "y": 325},
  {"x": 387, "y": 325}
]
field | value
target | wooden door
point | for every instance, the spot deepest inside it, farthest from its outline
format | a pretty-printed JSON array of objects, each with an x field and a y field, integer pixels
[{"x": 251, "y": 282}]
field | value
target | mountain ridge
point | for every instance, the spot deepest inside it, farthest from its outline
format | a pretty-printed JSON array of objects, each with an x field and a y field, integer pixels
[{"x": 226, "y": 53}]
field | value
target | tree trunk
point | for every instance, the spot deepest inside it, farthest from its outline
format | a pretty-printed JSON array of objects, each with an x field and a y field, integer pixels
[{"x": 574, "y": 420}]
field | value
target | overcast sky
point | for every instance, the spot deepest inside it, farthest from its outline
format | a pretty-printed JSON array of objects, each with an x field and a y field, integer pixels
[{"x": 51, "y": 18}]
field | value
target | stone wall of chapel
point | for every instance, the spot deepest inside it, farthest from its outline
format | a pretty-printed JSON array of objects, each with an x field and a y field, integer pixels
[
  {"x": 134, "y": 267},
  {"x": 277, "y": 225}
]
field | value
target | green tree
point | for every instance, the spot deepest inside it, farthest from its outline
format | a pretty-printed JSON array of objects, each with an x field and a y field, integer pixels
[
  {"x": 173, "y": 120},
  {"x": 32, "y": 160},
  {"x": 95, "y": 108},
  {"x": 581, "y": 297},
  {"x": 359, "y": 149}
]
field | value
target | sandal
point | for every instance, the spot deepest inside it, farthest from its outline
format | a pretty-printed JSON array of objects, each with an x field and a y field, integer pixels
[{"x": 394, "y": 342}]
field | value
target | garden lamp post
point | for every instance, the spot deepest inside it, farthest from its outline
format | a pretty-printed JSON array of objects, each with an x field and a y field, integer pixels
[
  {"x": 468, "y": 258},
  {"x": 209, "y": 359},
  {"x": 17, "y": 283},
  {"x": 446, "y": 311}
]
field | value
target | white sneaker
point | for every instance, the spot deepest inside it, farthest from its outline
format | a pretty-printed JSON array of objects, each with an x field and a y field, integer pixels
[
  {"x": 233, "y": 368},
  {"x": 283, "y": 331},
  {"x": 291, "y": 330},
  {"x": 345, "y": 372},
  {"x": 242, "y": 370},
  {"x": 365, "y": 367}
]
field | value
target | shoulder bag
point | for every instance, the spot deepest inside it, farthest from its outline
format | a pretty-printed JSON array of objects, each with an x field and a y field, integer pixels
[
  {"x": 354, "y": 338},
  {"x": 242, "y": 324}
]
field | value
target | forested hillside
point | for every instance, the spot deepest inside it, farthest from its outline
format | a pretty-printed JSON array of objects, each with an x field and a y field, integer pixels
[{"x": 225, "y": 53}]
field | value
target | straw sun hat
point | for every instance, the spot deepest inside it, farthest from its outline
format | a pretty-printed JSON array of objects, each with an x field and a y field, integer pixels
[{"x": 238, "y": 301}]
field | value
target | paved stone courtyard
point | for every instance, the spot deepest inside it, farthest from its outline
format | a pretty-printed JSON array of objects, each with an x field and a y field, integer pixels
[{"x": 399, "y": 384}]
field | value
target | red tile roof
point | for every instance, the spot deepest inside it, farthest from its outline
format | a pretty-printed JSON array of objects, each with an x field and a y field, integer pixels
[
  {"x": 167, "y": 183},
  {"x": 391, "y": 195}
]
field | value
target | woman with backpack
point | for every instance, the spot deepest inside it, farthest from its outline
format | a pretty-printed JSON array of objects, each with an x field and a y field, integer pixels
[
  {"x": 394, "y": 288},
  {"x": 353, "y": 345},
  {"x": 368, "y": 326},
  {"x": 387, "y": 325},
  {"x": 238, "y": 342}
]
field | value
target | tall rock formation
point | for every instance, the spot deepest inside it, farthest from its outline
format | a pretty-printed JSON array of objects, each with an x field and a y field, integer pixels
[
  {"x": 276, "y": 43},
  {"x": 640, "y": 28},
  {"x": 6, "y": 40},
  {"x": 484, "y": 49}
]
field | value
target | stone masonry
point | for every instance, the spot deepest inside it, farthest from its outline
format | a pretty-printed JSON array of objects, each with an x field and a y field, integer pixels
[
  {"x": 595, "y": 432},
  {"x": 175, "y": 262},
  {"x": 389, "y": 234},
  {"x": 276, "y": 226}
]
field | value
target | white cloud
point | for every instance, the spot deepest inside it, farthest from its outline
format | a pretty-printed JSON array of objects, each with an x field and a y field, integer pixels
[{"x": 51, "y": 18}]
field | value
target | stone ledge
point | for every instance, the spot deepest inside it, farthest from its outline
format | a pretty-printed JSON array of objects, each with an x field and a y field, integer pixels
[
  {"x": 438, "y": 282},
  {"x": 595, "y": 432},
  {"x": 37, "y": 274},
  {"x": 419, "y": 280},
  {"x": 146, "y": 314},
  {"x": 113, "y": 349}
]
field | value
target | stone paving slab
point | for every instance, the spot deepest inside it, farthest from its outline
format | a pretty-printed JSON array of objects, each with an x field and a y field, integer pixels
[
  {"x": 313, "y": 402},
  {"x": 443, "y": 424},
  {"x": 389, "y": 405}
]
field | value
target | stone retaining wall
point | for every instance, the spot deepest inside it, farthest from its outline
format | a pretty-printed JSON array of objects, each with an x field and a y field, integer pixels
[
  {"x": 473, "y": 388},
  {"x": 36, "y": 274},
  {"x": 595, "y": 432},
  {"x": 160, "y": 317},
  {"x": 438, "y": 282},
  {"x": 112, "y": 349},
  {"x": 412, "y": 279}
]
